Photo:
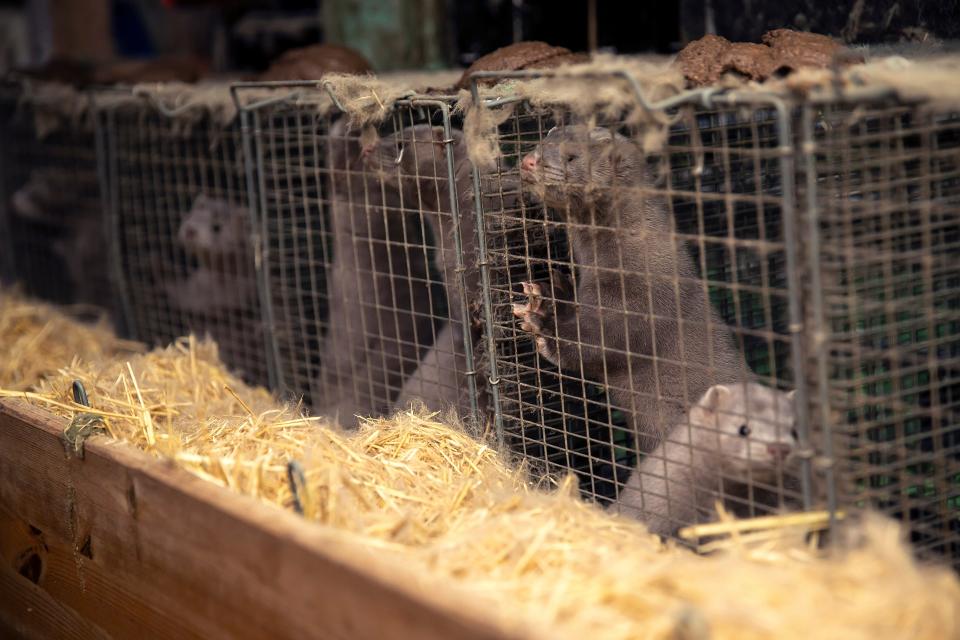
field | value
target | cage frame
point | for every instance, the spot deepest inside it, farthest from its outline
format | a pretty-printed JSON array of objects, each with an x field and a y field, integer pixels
[
  {"x": 17, "y": 92},
  {"x": 107, "y": 105},
  {"x": 249, "y": 110},
  {"x": 815, "y": 457}
]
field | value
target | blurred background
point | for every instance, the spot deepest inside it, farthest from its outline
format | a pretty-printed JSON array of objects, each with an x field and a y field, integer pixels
[{"x": 244, "y": 35}]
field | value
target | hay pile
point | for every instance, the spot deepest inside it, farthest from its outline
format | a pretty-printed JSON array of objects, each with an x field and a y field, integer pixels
[
  {"x": 36, "y": 339},
  {"x": 413, "y": 491}
]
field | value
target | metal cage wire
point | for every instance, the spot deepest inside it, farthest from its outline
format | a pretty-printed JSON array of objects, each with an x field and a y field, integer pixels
[
  {"x": 882, "y": 181},
  {"x": 53, "y": 221},
  {"x": 363, "y": 260},
  {"x": 722, "y": 175},
  {"x": 362, "y": 271},
  {"x": 824, "y": 232},
  {"x": 180, "y": 229}
]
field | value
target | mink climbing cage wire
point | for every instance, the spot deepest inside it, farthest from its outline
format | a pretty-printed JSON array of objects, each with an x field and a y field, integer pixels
[
  {"x": 824, "y": 233},
  {"x": 353, "y": 284}
]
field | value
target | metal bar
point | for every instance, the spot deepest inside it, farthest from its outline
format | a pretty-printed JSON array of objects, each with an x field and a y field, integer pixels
[
  {"x": 471, "y": 372},
  {"x": 819, "y": 333},
  {"x": 261, "y": 249},
  {"x": 493, "y": 380},
  {"x": 794, "y": 295},
  {"x": 108, "y": 175},
  {"x": 258, "y": 226}
]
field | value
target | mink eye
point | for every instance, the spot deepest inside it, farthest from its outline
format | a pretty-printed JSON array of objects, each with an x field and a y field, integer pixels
[
  {"x": 793, "y": 434},
  {"x": 744, "y": 430},
  {"x": 216, "y": 227},
  {"x": 571, "y": 157}
]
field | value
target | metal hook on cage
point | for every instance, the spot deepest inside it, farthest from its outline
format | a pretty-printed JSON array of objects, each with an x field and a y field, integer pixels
[
  {"x": 298, "y": 484},
  {"x": 84, "y": 424},
  {"x": 399, "y": 156}
]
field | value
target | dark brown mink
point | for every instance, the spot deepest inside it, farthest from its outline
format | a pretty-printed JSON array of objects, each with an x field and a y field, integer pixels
[
  {"x": 379, "y": 321},
  {"x": 635, "y": 317}
]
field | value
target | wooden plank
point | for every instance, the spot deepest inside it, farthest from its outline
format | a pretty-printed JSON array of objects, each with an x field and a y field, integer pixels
[
  {"x": 28, "y": 611},
  {"x": 139, "y": 548}
]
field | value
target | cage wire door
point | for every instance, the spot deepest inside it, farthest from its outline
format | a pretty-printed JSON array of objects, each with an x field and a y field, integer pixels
[
  {"x": 182, "y": 229},
  {"x": 54, "y": 222},
  {"x": 625, "y": 287},
  {"x": 883, "y": 219},
  {"x": 364, "y": 266}
]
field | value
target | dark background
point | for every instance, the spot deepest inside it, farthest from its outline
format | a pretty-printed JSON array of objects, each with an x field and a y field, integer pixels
[{"x": 246, "y": 34}]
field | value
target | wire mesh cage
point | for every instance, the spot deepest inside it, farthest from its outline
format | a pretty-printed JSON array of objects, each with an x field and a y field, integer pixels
[
  {"x": 818, "y": 237},
  {"x": 640, "y": 308},
  {"x": 364, "y": 253},
  {"x": 883, "y": 216},
  {"x": 53, "y": 216},
  {"x": 181, "y": 225}
]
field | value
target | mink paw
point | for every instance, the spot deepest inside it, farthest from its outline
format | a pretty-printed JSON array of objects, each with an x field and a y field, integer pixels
[{"x": 532, "y": 314}]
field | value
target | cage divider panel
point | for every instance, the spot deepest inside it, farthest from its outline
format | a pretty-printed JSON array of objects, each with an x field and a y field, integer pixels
[
  {"x": 52, "y": 211},
  {"x": 884, "y": 201},
  {"x": 354, "y": 253},
  {"x": 182, "y": 231}
]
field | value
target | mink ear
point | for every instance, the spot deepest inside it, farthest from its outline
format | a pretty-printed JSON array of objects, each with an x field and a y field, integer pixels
[{"x": 714, "y": 396}]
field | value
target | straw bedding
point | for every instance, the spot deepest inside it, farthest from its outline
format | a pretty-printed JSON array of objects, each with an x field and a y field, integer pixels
[{"x": 454, "y": 513}]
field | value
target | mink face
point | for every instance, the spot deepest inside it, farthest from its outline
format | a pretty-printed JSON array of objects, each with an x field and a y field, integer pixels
[
  {"x": 576, "y": 170},
  {"x": 47, "y": 197},
  {"x": 749, "y": 426},
  {"x": 213, "y": 228},
  {"x": 735, "y": 440}
]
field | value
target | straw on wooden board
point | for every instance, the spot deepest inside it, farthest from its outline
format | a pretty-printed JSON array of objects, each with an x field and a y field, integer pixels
[
  {"x": 38, "y": 339},
  {"x": 413, "y": 489}
]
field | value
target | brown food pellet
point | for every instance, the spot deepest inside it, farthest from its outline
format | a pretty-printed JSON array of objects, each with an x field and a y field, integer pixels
[
  {"x": 702, "y": 60},
  {"x": 521, "y": 55},
  {"x": 312, "y": 62},
  {"x": 755, "y": 61},
  {"x": 795, "y": 49}
]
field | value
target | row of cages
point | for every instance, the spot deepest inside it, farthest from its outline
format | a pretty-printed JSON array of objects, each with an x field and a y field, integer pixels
[{"x": 762, "y": 312}]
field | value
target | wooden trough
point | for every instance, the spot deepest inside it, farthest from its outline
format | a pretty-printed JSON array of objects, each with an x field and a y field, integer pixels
[{"x": 118, "y": 544}]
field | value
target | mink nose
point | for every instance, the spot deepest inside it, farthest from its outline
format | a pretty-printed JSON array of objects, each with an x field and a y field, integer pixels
[
  {"x": 778, "y": 450},
  {"x": 189, "y": 233},
  {"x": 529, "y": 162}
]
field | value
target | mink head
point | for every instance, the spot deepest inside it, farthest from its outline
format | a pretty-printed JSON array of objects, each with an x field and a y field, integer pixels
[
  {"x": 416, "y": 153},
  {"x": 751, "y": 426},
  {"x": 214, "y": 227},
  {"x": 576, "y": 167},
  {"x": 49, "y": 196}
]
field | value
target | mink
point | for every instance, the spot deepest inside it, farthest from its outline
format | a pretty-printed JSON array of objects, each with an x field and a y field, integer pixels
[
  {"x": 379, "y": 321},
  {"x": 638, "y": 319},
  {"x": 733, "y": 445}
]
